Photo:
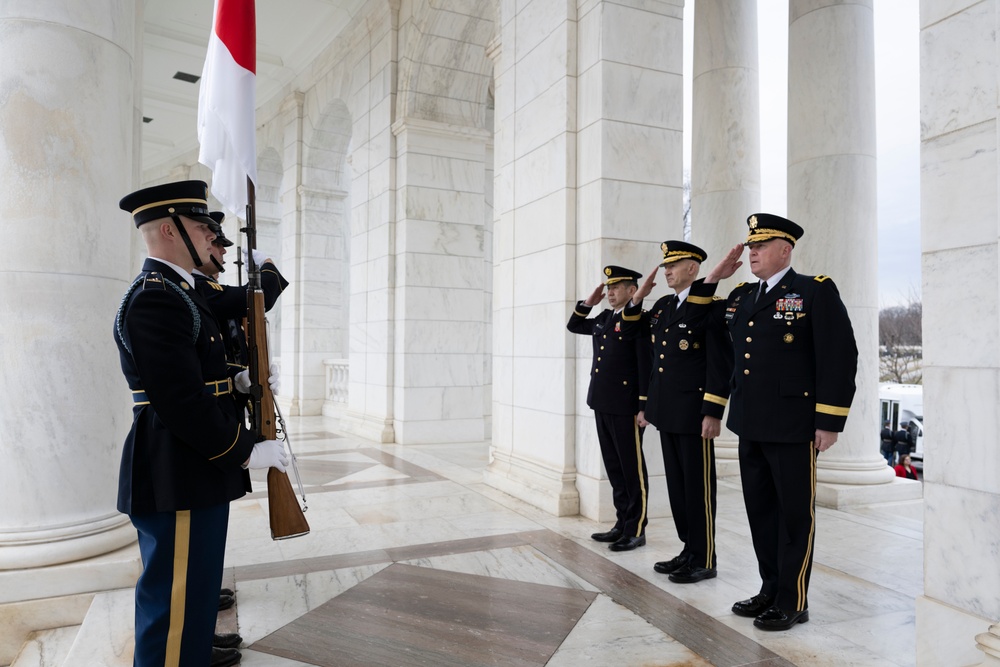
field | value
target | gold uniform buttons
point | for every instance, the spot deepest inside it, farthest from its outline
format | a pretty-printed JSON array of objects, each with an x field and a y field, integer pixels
[
  {"x": 625, "y": 382},
  {"x": 598, "y": 358},
  {"x": 661, "y": 369},
  {"x": 211, "y": 339},
  {"x": 661, "y": 356},
  {"x": 664, "y": 343},
  {"x": 805, "y": 393},
  {"x": 746, "y": 371},
  {"x": 749, "y": 339},
  {"x": 604, "y": 336},
  {"x": 750, "y": 323},
  {"x": 746, "y": 356},
  {"x": 602, "y": 347}
]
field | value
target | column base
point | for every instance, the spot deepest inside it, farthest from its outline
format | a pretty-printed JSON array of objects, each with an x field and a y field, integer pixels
[
  {"x": 947, "y": 635},
  {"x": 368, "y": 427},
  {"x": 549, "y": 490},
  {"x": 52, "y": 546},
  {"x": 838, "y": 496}
]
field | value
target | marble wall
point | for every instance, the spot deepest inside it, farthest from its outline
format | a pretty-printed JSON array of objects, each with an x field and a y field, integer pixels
[{"x": 959, "y": 229}]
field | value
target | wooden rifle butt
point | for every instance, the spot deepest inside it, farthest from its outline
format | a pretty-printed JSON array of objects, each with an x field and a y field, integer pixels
[{"x": 286, "y": 517}]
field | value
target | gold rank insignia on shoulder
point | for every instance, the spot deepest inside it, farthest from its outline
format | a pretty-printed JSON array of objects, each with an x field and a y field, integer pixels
[
  {"x": 741, "y": 284},
  {"x": 216, "y": 285},
  {"x": 821, "y": 279}
]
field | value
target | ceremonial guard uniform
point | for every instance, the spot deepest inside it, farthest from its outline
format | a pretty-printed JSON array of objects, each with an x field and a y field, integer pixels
[
  {"x": 619, "y": 376},
  {"x": 795, "y": 364},
  {"x": 691, "y": 368},
  {"x": 183, "y": 457},
  {"x": 229, "y": 303}
]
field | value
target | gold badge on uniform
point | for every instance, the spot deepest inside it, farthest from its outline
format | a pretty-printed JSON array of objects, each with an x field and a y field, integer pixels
[
  {"x": 788, "y": 338},
  {"x": 683, "y": 344},
  {"x": 607, "y": 271},
  {"x": 185, "y": 285}
]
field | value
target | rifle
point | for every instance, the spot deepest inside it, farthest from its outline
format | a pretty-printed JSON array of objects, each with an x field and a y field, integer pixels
[{"x": 286, "y": 517}]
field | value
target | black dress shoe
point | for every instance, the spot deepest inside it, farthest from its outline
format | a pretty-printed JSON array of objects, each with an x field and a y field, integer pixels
[
  {"x": 227, "y": 640},
  {"x": 225, "y": 657},
  {"x": 692, "y": 574},
  {"x": 776, "y": 619},
  {"x": 227, "y": 591},
  {"x": 226, "y": 601},
  {"x": 628, "y": 543},
  {"x": 672, "y": 565},
  {"x": 612, "y": 535},
  {"x": 753, "y": 607}
]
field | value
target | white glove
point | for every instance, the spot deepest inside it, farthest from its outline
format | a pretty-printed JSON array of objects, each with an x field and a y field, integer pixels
[
  {"x": 242, "y": 380},
  {"x": 273, "y": 380},
  {"x": 259, "y": 257},
  {"x": 268, "y": 454}
]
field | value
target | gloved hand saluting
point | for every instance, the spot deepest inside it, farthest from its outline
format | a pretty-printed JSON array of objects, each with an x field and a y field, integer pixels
[
  {"x": 268, "y": 454},
  {"x": 259, "y": 257},
  {"x": 242, "y": 380}
]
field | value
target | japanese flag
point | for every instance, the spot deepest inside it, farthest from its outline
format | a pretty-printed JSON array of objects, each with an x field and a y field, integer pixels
[{"x": 227, "y": 102}]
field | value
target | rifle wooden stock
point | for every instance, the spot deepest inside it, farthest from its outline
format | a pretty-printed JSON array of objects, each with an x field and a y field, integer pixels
[{"x": 286, "y": 517}]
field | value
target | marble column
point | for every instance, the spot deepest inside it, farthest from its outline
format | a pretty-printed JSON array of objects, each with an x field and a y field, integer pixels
[
  {"x": 588, "y": 168},
  {"x": 68, "y": 114},
  {"x": 831, "y": 193},
  {"x": 313, "y": 309},
  {"x": 960, "y": 224},
  {"x": 439, "y": 282},
  {"x": 725, "y": 146}
]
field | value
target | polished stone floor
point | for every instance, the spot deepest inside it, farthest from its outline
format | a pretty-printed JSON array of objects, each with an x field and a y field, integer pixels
[{"x": 413, "y": 560}]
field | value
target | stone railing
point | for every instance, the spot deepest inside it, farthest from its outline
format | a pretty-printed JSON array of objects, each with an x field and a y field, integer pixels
[{"x": 337, "y": 372}]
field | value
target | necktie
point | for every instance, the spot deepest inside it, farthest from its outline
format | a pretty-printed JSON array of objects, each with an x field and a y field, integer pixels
[{"x": 761, "y": 290}]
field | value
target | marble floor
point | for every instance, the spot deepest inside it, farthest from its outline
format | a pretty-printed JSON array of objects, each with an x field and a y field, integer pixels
[{"x": 413, "y": 560}]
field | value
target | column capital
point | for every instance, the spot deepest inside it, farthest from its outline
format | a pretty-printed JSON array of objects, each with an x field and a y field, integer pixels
[{"x": 433, "y": 127}]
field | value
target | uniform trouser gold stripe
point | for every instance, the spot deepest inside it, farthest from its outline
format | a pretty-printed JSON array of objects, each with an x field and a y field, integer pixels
[
  {"x": 178, "y": 591},
  {"x": 706, "y": 483},
  {"x": 802, "y": 580},
  {"x": 642, "y": 481}
]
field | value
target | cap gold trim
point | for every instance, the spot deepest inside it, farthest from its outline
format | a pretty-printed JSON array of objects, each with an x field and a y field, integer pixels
[{"x": 170, "y": 201}]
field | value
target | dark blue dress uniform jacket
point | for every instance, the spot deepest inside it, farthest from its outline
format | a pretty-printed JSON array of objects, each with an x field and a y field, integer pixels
[
  {"x": 619, "y": 374},
  {"x": 186, "y": 445},
  {"x": 692, "y": 361},
  {"x": 795, "y": 360},
  {"x": 229, "y": 304}
]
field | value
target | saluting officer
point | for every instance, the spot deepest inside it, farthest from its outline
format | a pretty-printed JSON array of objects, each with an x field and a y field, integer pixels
[
  {"x": 186, "y": 455},
  {"x": 618, "y": 378},
  {"x": 688, "y": 392},
  {"x": 793, "y": 383}
]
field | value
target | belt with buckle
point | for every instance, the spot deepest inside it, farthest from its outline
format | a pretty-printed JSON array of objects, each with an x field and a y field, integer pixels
[{"x": 215, "y": 388}]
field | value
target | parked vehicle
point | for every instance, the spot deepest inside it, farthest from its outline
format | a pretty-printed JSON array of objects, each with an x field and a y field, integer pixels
[{"x": 903, "y": 403}]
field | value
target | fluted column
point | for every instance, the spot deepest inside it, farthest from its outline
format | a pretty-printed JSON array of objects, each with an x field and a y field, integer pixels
[
  {"x": 725, "y": 147},
  {"x": 831, "y": 193},
  {"x": 67, "y": 134}
]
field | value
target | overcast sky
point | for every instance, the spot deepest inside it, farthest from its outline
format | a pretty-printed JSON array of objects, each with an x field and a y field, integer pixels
[{"x": 897, "y": 80}]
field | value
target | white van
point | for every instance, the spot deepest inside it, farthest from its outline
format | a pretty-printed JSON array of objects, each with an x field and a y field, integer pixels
[{"x": 903, "y": 403}]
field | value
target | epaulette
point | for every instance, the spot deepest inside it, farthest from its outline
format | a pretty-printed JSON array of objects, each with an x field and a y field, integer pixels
[
  {"x": 717, "y": 298},
  {"x": 216, "y": 285},
  {"x": 740, "y": 285},
  {"x": 821, "y": 279},
  {"x": 152, "y": 280}
]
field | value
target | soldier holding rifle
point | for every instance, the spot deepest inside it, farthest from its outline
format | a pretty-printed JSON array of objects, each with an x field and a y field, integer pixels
[{"x": 186, "y": 455}]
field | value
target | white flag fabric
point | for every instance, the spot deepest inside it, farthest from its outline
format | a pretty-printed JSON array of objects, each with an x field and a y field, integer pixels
[{"x": 227, "y": 103}]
